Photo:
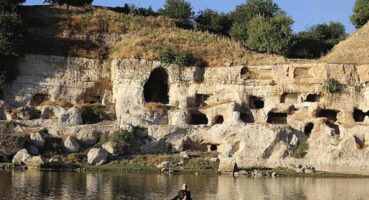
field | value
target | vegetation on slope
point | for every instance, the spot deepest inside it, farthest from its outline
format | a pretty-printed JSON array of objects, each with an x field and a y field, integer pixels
[
  {"x": 82, "y": 33},
  {"x": 353, "y": 50}
]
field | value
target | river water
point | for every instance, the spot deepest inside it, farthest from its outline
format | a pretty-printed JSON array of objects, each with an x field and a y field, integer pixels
[{"x": 86, "y": 185}]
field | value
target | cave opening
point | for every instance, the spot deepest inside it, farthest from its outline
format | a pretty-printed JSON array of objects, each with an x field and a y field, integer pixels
[
  {"x": 335, "y": 128},
  {"x": 256, "y": 102},
  {"x": 200, "y": 100},
  {"x": 289, "y": 98},
  {"x": 39, "y": 98},
  {"x": 219, "y": 119},
  {"x": 328, "y": 113},
  {"x": 247, "y": 117},
  {"x": 312, "y": 98},
  {"x": 359, "y": 115},
  {"x": 156, "y": 88},
  {"x": 213, "y": 147},
  {"x": 277, "y": 118},
  {"x": 198, "y": 118},
  {"x": 308, "y": 129}
]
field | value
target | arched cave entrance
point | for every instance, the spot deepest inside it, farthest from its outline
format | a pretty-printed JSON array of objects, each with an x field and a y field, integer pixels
[
  {"x": 197, "y": 118},
  {"x": 312, "y": 98},
  {"x": 359, "y": 115},
  {"x": 277, "y": 118},
  {"x": 328, "y": 113},
  {"x": 156, "y": 88},
  {"x": 308, "y": 129},
  {"x": 256, "y": 102},
  {"x": 219, "y": 119},
  {"x": 289, "y": 98}
]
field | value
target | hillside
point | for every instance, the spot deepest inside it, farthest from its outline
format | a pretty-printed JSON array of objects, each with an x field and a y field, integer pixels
[
  {"x": 102, "y": 33},
  {"x": 353, "y": 50}
]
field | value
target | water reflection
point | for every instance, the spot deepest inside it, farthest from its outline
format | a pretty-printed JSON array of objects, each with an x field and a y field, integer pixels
[{"x": 55, "y": 185}]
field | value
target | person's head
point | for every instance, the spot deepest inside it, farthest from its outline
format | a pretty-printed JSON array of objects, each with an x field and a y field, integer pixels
[{"x": 184, "y": 186}]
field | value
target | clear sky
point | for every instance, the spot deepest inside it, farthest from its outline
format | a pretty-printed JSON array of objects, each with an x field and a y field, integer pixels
[{"x": 304, "y": 12}]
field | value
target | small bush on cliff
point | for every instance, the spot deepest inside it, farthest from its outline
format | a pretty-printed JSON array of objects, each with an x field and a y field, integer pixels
[
  {"x": 167, "y": 55},
  {"x": 184, "y": 59},
  {"x": 181, "y": 58},
  {"x": 301, "y": 150},
  {"x": 122, "y": 140},
  {"x": 332, "y": 86}
]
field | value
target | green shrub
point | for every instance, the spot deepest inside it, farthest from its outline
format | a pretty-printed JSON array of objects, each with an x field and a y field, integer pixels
[
  {"x": 272, "y": 83},
  {"x": 122, "y": 140},
  {"x": 301, "y": 150},
  {"x": 184, "y": 59},
  {"x": 332, "y": 85},
  {"x": 167, "y": 55},
  {"x": 181, "y": 58}
]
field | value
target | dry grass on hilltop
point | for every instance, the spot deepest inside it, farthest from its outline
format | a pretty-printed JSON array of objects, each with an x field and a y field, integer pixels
[
  {"x": 353, "y": 50},
  {"x": 85, "y": 33}
]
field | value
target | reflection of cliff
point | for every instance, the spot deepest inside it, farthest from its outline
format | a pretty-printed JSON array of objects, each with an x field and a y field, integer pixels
[{"x": 56, "y": 185}]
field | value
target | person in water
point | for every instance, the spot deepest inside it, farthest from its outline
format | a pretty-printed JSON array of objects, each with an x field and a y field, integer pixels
[{"x": 183, "y": 194}]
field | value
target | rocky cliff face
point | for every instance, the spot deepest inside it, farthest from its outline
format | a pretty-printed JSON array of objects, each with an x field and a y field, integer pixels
[{"x": 254, "y": 116}]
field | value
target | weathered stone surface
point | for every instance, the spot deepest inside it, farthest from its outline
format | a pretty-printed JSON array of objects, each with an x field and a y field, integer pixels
[
  {"x": 108, "y": 146},
  {"x": 184, "y": 154},
  {"x": 10, "y": 143},
  {"x": 32, "y": 150},
  {"x": 227, "y": 165},
  {"x": 97, "y": 156},
  {"x": 254, "y": 115},
  {"x": 72, "y": 117},
  {"x": 88, "y": 135},
  {"x": 38, "y": 140},
  {"x": 21, "y": 157},
  {"x": 71, "y": 144},
  {"x": 27, "y": 113},
  {"x": 35, "y": 162}
]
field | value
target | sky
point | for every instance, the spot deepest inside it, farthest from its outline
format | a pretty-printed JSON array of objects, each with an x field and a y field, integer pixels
[{"x": 304, "y": 12}]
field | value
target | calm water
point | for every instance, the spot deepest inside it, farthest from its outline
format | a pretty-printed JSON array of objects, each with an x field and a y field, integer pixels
[{"x": 64, "y": 185}]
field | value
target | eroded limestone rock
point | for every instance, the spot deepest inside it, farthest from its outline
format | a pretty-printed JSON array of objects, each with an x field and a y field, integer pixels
[{"x": 97, "y": 156}]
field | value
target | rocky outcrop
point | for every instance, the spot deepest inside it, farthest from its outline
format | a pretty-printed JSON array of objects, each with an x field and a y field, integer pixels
[
  {"x": 38, "y": 140},
  {"x": 10, "y": 143},
  {"x": 97, "y": 156},
  {"x": 252, "y": 116},
  {"x": 71, "y": 144}
]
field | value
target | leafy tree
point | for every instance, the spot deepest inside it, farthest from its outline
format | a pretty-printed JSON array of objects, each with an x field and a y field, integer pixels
[
  {"x": 272, "y": 35},
  {"x": 214, "y": 22},
  {"x": 184, "y": 59},
  {"x": 316, "y": 40},
  {"x": 244, "y": 13},
  {"x": 10, "y": 34},
  {"x": 239, "y": 31},
  {"x": 361, "y": 13},
  {"x": 181, "y": 10},
  {"x": 70, "y": 2},
  {"x": 10, "y": 38},
  {"x": 252, "y": 8},
  {"x": 9, "y": 5}
]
